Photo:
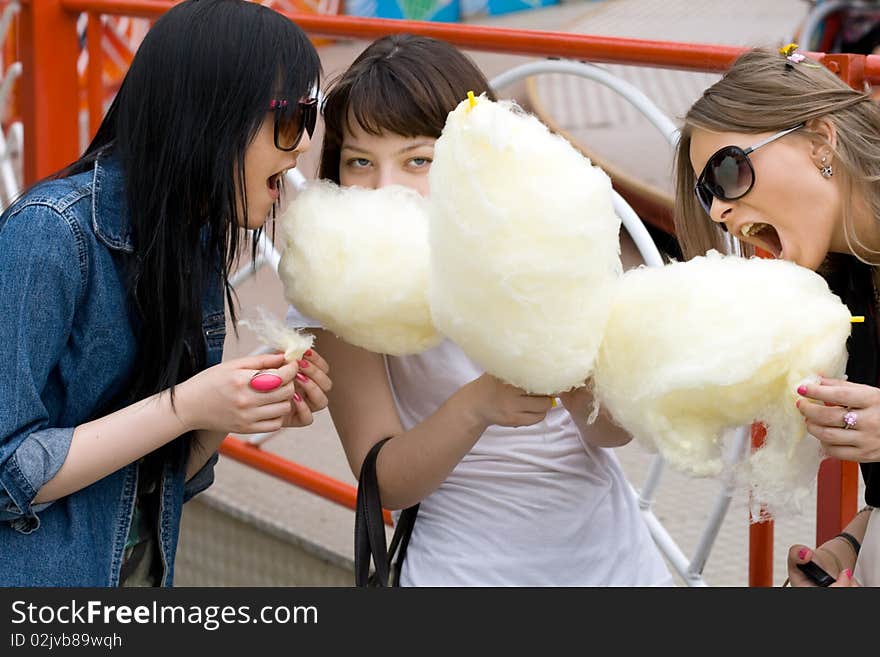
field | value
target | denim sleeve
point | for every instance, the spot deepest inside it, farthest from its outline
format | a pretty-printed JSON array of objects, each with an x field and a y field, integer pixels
[
  {"x": 201, "y": 479},
  {"x": 41, "y": 279}
]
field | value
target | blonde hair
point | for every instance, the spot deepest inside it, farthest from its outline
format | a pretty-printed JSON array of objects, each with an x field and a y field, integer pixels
[{"x": 764, "y": 92}]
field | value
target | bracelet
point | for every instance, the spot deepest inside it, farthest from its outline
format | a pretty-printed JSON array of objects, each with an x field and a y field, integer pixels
[{"x": 853, "y": 542}]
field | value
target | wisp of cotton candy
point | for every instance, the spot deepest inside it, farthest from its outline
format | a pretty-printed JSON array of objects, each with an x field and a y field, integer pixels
[
  {"x": 524, "y": 247},
  {"x": 357, "y": 261},
  {"x": 275, "y": 334},
  {"x": 694, "y": 348}
]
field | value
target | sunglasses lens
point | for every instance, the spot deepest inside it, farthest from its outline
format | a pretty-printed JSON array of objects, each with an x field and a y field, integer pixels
[
  {"x": 288, "y": 128},
  {"x": 310, "y": 116},
  {"x": 729, "y": 174},
  {"x": 291, "y": 121}
]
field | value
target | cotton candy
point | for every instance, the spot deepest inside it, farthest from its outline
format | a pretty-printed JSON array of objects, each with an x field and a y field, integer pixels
[
  {"x": 357, "y": 261},
  {"x": 273, "y": 333},
  {"x": 524, "y": 247},
  {"x": 719, "y": 341}
]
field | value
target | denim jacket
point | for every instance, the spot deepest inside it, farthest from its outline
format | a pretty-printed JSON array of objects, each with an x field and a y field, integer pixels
[{"x": 68, "y": 348}]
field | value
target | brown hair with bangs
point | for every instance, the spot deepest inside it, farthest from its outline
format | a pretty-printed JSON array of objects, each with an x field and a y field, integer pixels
[
  {"x": 401, "y": 84},
  {"x": 764, "y": 92}
]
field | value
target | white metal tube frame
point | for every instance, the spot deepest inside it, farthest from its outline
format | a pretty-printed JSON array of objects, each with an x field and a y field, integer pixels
[
  {"x": 592, "y": 72},
  {"x": 814, "y": 19},
  {"x": 6, "y": 19},
  {"x": 10, "y": 183}
]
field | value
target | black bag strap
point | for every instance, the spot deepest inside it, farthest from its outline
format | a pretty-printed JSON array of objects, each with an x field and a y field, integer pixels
[
  {"x": 402, "y": 532},
  {"x": 369, "y": 526},
  {"x": 369, "y": 529}
]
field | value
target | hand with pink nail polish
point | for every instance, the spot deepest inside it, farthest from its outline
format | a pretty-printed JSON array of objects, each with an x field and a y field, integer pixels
[
  {"x": 245, "y": 395},
  {"x": 311, "y": 383},
  {"x": 844, "y": 417},
  {"x": 801, "y": 554}
]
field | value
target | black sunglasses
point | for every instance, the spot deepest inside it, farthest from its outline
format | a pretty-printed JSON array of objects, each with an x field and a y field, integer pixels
[
  {"x": 729, "y": 175},
  {"x": 292, "y": 120}
]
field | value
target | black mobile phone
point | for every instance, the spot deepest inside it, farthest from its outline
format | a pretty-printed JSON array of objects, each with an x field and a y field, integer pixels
[{"x": 816, "y": 574}]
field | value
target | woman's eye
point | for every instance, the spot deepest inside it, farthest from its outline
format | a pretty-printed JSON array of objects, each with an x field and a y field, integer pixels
[
  {"x": 419, "y": 162},
  {"x": 358, "y": 162}
]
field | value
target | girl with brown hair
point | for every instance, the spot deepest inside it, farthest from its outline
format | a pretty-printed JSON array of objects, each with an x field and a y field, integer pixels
[{"x": 512, "y": 490}]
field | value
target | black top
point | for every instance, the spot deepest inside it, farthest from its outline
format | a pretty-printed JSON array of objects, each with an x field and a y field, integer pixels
[{"x": 853, "y": 282}]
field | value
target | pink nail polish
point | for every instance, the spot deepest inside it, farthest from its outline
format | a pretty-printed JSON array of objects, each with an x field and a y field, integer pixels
[
  {"x": 308, "y": 353},
  {"x": 297, "y": 397},
  {"x": 802, "y": 390},
  {"x": 802, "y": 553},
  {"x": 848, "y": 573},
  {"x": 302, "y": 363},
  {"x": 301, "y": 377}
]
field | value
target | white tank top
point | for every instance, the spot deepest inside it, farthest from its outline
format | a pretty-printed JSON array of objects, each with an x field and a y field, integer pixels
[{"x": 530, "y": 506}]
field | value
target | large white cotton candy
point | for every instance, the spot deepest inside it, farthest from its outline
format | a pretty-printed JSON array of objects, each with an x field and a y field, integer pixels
[
  {"x": 716, "y": 342},
  {"x": 524, "y": 247},
  {"x": 357, "y": 261}
]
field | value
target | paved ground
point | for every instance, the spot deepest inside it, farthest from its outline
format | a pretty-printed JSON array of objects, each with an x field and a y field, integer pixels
[{"x": 600, "y": 124}]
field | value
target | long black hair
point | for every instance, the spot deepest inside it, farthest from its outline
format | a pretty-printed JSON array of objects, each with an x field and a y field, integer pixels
[{"x": 192, "y": 101}]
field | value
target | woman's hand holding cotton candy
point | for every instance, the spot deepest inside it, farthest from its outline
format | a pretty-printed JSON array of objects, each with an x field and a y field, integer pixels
[
  {"x": 578, "y": 402},
  {"x": 221, "y": 399},
  {"x": 491, "y": 401},
  {"x": 312, "y": 383},
  {"x": 602, "y": 432},
  {"x": 824, "y": 418}
]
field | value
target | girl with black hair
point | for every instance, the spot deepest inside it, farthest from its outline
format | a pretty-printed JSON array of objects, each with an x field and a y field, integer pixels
[{"x": 114, "y": 274}]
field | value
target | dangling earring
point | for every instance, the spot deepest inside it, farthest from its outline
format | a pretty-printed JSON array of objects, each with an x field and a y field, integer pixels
[{"x": 826, "y": 170}]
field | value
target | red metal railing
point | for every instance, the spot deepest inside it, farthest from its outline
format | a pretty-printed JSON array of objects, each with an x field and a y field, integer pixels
[
  {"x": 49, "y": 105},
  {"x": 293, "y": 473}
]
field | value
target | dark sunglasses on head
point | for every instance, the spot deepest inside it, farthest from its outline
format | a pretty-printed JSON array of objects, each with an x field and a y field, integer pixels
[
  {"x": 292, "y": 120},
  {"x": 728, "y": 174}
]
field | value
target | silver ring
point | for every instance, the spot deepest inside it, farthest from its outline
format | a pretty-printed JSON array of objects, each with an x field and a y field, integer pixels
[{"x": 849, "y": 420}]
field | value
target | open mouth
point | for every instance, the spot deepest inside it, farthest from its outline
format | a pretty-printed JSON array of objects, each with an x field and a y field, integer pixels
[
  {"x": 275, "y": 183},
  {"x": 763, "y": 236}
]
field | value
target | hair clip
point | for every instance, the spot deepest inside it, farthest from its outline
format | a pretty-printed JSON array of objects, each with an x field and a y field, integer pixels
[{"x": 790, "y": 52}]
